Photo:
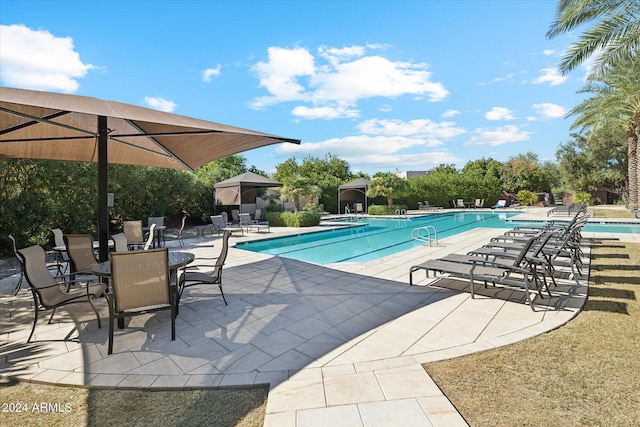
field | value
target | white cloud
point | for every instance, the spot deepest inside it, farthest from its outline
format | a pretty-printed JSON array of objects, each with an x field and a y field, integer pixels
[
  {"x": 211, "y": 72},
  {"x": 551, "y": 76},
  {"x": 339, "y": 78},
  {"x": 387, "y": 144},
  {"x": 36, "y": 59},
  {"x": 364, "y": 151},
  {"x": 497, "y": 136},
  {"x": 327, "y": 112},
  {"x": 550, "y": 111},
  {"x": 548, "y": 52},
  {"x": 450, "y": 113},
  {"x": 431, "y": 132},
  {"x": 160, "y": 104},
  {"x": 499, "y": 113}
]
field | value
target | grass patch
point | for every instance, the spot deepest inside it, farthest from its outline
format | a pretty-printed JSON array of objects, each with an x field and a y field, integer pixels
[
  {"x": 582, "y": 374},
  {"x": 69, "y": 406}
]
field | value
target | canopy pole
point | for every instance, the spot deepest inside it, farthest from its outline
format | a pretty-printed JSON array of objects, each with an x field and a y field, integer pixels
[{"x": 103, "y": 209}]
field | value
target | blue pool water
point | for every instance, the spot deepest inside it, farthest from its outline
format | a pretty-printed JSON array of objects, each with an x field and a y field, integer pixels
[{"x": 380, "y": 237}]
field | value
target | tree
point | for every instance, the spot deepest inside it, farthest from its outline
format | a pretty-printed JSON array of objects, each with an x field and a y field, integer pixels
[
  {"x": 523, "y": 173},
  {"x": 387, "y": 184},
  {"x": 221, "y": 169},
  {"x": 613, "y": 38},
  {"x": 615, "y": 101}
]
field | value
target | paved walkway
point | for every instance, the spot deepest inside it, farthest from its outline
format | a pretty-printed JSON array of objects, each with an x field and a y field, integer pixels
[{"x": 339, "y": 344}]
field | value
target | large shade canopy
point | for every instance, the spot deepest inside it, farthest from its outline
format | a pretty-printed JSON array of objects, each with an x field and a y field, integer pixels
[
  {"x": 44, "y": 125},
  {"x": 242, "y": 188},
  {"x": 354, "y": 190}
]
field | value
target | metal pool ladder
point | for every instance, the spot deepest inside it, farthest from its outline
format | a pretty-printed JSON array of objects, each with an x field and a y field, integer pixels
[{"x": 425, "y": 234}]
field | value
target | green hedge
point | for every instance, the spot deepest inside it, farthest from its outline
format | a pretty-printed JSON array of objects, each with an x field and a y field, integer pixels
[
  {"x": 385, "y": 210},
  {"x": 293, "y": 219}
]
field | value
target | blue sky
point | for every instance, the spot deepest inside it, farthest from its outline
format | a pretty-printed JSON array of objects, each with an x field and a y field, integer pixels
[{"x": 385, "y": 85}]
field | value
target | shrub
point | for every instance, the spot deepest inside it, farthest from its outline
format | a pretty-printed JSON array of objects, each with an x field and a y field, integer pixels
[
  {"x": 385, "y": 210},
  {"x": 582, "y": 196},
  {"x": 527, "y": 198},
  {"x": 293, "y": 219}
]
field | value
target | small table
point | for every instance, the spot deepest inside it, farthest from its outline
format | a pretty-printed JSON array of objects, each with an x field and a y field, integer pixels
[
  {"x": 258, "y": 227},
  {"x": 234, "y": 230}
]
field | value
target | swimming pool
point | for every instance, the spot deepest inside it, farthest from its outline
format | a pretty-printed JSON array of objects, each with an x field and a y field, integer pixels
[{"x": 374, "y": 238}]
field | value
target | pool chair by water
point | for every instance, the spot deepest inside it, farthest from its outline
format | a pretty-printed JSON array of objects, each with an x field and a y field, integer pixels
[
  {"x": 501, "y": 204},
  {"x": 519, "y": 274}
]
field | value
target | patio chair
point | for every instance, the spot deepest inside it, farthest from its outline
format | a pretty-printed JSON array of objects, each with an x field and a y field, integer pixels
[
  {"x": 133, "y": 231},
  {"x": 460, "y": 203},
  {"x": 140, "y": 284},
  {"x": 120, "y": 242},
  {"x": 46, "y": 291},
  {"x": 159, "y": 222},
  {"x": 501, "y": 204},
  {"x": 61, "y": 256},
  {"x": 82, "y": 258},
  {"x": 225, "y": 218},
  {"x": 235, "y": 216},
  {"x": 149, "y": 243},
  {"x": 519, "y": 273},
  {"x": 358, "y": 208},
  {"x": 217, "y": 223},
  {"x": 194, "y": 278},
  {"x": 245, "y": 220},
  {"x": 178, "y": 234},
  {"x": 258, "y": 216},
  {"x": 479, "y": 203}
]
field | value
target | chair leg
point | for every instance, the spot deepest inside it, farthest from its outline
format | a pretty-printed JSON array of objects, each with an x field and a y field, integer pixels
[
  {"x": 52, "y": 313},
  {"x": 111, "y": 317},
  {"x": 19, "y": 285},
  {"x": 35, "y": 322},
  {"x": 222, "y": 292},
  {"x": 95, "y": 310}
]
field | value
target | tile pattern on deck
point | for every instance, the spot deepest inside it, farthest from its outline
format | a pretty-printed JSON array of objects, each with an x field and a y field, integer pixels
[{"x": 338, "y": 344}]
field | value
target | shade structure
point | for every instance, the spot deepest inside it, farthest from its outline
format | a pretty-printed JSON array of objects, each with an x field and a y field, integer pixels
[
  {"x": 241, "y": 188},
  {"x": 45, "y": 125},
  {"x": 354, "y": 190}
]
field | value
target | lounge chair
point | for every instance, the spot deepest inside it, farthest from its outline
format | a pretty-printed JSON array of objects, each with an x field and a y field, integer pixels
[
  {"x": 217, "y": 223},
  {"x": 245, "y": 220},
  {"x": 479, "y": 203},
  {"x": 519, "y": 273},
  {"x": 421, "y": 206},
  {"x": 140, "y": 285},
  {"x": 194, "y": 278},
  {"x": 46, "y": 290},
  {"x": 460, "y": 203},
  {"x": 502, "y": 203}
]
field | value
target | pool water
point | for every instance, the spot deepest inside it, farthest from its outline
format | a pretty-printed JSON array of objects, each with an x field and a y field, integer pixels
[{"x": 374, "y": 238}]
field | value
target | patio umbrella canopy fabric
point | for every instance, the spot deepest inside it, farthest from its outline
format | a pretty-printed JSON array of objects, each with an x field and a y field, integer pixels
[
  {"x": 242, "y": 188},
  {"x": 53, "y": 126}
]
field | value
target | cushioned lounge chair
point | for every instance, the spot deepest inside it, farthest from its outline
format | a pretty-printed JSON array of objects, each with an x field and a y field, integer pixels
[{"x": 518, "y": 274}]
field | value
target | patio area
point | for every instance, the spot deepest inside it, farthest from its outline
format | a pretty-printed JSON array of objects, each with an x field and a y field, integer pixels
[{"x": 339, "y": 344}]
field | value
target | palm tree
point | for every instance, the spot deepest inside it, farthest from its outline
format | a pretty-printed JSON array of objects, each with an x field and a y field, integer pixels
[
  {"x": 615, "y": 37},
  {"x": 615, "y": 101}
]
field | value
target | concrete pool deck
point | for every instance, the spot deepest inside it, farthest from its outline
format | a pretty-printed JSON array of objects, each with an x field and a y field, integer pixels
[{"x": 338, "y": 344}]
